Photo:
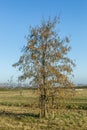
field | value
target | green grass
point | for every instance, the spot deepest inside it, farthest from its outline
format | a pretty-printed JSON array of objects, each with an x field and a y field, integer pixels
[{"x": 19, "y": 111}]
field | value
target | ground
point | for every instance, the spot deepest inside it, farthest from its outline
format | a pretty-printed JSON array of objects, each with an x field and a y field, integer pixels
[{"x": 19, "y": 110}]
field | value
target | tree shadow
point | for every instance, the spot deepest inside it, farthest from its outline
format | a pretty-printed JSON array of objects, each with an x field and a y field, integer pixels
[{"x": 19, "y": 115}]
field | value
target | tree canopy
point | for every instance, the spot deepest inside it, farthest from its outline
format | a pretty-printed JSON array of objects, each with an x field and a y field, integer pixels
[{"x": 44, "y": 58}]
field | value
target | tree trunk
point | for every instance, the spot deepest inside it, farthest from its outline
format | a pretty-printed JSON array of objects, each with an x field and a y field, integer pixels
[
  {"x": 52, "y": 106},
  {"x": 43, "y": 104},
  {"x": 43, "y": 96}
]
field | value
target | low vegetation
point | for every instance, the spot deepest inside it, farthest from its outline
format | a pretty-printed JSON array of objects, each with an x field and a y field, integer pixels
[{"x": 19, "y": 110}]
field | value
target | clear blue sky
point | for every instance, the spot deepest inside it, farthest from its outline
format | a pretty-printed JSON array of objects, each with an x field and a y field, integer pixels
[{"x": 17, "y": 15}]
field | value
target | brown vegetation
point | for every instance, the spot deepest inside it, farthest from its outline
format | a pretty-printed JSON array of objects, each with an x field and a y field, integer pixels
[{"x": 22, "y": 112}]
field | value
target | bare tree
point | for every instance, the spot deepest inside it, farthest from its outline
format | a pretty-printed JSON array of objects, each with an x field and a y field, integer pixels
[{"x": 45, "y": 61}]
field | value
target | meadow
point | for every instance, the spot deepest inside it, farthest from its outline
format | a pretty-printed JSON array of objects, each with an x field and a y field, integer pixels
[{"x": 19, "y": 110}]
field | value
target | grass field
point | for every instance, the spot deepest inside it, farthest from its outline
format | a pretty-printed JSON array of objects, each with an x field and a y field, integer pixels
[{"x": 19, "y": 111}]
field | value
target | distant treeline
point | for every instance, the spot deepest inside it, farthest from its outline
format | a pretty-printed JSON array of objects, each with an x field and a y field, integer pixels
[
  {"x": 81, "y": 87},
  {"x": 32, "y": 88}
]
